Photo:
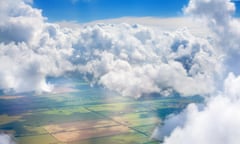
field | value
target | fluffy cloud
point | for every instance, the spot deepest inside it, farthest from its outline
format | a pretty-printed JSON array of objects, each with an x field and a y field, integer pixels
[
  {"x": 31, "y": 49},
  {"x": 217, "y": 121},
  {"x": 128, "y": 58},
  {"x": 231, "y": 85},
  {"x": 6, "y": 139},
  {"x": 163, "y": 61},
  {"x": 19, "y": 21},
  {"x": 218, "y": 16}
]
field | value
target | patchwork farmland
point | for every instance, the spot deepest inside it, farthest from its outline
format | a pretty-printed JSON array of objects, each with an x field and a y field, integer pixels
[{"x": 80, "y": 114}]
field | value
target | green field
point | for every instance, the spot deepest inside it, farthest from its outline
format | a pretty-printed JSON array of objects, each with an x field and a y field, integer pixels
[{"x": 87, "y": 115}]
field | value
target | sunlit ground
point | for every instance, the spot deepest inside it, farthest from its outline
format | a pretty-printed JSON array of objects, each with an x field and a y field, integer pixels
[{"x": 76, "y": 113}]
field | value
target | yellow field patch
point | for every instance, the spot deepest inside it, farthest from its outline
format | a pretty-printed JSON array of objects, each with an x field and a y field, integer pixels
[
  {"x": 90, "y": 133},
  {"x": 4, "y": 119},
  {"x": 78, "y": 125}
]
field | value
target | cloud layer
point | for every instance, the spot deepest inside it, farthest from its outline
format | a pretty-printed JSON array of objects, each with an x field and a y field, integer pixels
[
  {"x": 31, "y": 49},
  {"x": 135, "y": 54},
  {"x": 120, "y": 57},
  {"x": 6, "y": 139},
  {"x": 217, "y": 121}
]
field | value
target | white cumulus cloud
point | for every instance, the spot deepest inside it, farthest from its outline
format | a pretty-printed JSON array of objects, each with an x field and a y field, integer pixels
[
  {"x": 31, "y": 49},
  {"x": 6, "y": 139},
  {"x": 151, "y": 61},
  {"x": 131, "y": 59},
  {"x": 217, "y": 121}
]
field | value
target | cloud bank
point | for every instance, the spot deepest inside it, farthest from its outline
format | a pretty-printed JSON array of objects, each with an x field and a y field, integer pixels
[
  {"x": 31, "y": 49},
  {"x": 6, "y": 139},
  {"x": 163, "y": 61},
  {"x": 120, "y": 57},
  {"x": 218, "y": 120}
]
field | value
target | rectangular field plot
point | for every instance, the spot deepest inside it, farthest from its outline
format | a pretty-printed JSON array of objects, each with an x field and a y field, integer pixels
[
  {"x": 90, "y": 133},
  {"x": 38, "y": 139},
  {"x": 84, "y": 115},
  {"x": 4, "y": 119},
  {"x": 79, "y": 125},
  {"x": 126, "y": 138},
  {"x": 137, "y": 119},
  {"x": 147, "y": 129}
]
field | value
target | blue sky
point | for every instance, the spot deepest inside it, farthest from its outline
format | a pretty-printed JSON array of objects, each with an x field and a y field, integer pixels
[{"x": 90, "y": 10}]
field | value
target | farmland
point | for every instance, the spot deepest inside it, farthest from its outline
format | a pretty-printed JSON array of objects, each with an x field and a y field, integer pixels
[{"x": 75, "y": 113}]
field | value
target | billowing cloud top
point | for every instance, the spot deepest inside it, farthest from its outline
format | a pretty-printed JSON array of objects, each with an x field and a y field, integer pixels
[
  {"x": 128, "y": 58},
  {"x": 217, "y": 121}
]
